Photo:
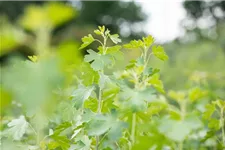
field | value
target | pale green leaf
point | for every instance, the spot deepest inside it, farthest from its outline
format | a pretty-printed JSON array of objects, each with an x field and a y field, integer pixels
[
  {"x": 159, "y": 52},
  {"x": 99, "y": 61},
  {"x": 134, "y": 44},
  {"x": 17, "y": 128},
  {"x": 210, "y": 108},
  {"x": 82, "y": 143},
  {"x": 115, "y": 38},
  {"x": 81, "y": 94},
  {"x": 113, "y": 49},
  {"x": 87, "y": 40},
  {"x": 196, "y": 93},
  {"x": 156, "y": 82},
  {"x": 136, "y": 100}
]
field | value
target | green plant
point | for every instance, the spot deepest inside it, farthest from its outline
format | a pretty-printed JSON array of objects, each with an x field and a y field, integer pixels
[
  {"x": 97, "y": 111},
  {"x": 58, "y": 101}
]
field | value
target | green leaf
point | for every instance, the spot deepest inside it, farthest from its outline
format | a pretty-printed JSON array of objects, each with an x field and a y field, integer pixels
[
  {"x": 134, "y": 44},
  {"x": 61, "y": 141},
  {"x": 131, "y": 64},
  {"x": 115, "y": 38},
  {"x": 82, "y": 143},
  {"x": 61, "y": 128},
  {"x": 17, "y": 128},
  {"x": 210, "y": 108},
  {"x": 81, "y": 94},
  {"x": 99, "y": 61},
  {"x": 158, "y": 51},
  {"x": 196, "y": 93},
  {"x": 155, "y": 82},
  {"x": 148, "y": 41},
  {"x": 149, "y": 71},
  {"x": 175, "y": 130},
  {"x": 87, "y": 40},
  {"x": 53, "y": 145},
  {"x": 100, "y": 48},
  {"x": 98, "y": 32},
  {"x": 178, "y": 130},
  {"x": 107, "y": 32},
  {"x": 100, "y": 124},
  {"x": 113, "y": 49},
  {"x": 140, "y": 61},
  {"x": 136, "y": 100},
  {"x": 102, "y": 28},
  {"x": 175, "y": 114},
  {"x": 214, "y": 124},
  {"x": 66, "y": 111},
  {"x": 116, "y": 131}
]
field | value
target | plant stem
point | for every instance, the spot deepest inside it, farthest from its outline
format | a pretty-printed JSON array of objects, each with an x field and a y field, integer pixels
[
  {"x": 222, "y": 124},
  {"x": 99, "y": 112},
  {"x": 183, "y": 114},
  {"x": 97, "y": 141},
  {"x": 181, "y": 145},
  {"x": 99, "y": 101},
  {"x": 133, "y": 128}
]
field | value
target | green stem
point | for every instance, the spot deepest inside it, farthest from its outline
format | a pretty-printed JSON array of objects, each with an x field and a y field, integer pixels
[
  {"x": 97, "y": 141},
  {"x": 183, "y": 114},
  {"x": 181, "y": 145},
  {"x": 183, "y": 109},
  {"x": 100, "y": 90},
  {"x": 222, "y": 124},
  {"x": 99, "y": 42},
  {"x": 99, "y": 112},
  {"x": 99, "y": 100},
  {"x": 133, "y": 128}
]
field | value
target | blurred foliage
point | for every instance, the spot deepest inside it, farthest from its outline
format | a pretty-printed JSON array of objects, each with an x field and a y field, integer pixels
[
  {"x": 46, "y": 15},
  {"x": 117, "y": 15},
  {"x": 14, "y": 9},
  {"x": 205, "y": 19},
  {"x": 197, "y": 9},
  {"x": 11, "y": 36}
]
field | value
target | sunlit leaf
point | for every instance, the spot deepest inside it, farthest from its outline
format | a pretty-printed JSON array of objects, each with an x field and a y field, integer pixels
[
  {"x": 115, "y": 38},
  {"x": 156, "y": 82},
  {"x": 87, "y": 40},
  {"x": 158, "y": 51},
  {"x": 148, "y": 41}
]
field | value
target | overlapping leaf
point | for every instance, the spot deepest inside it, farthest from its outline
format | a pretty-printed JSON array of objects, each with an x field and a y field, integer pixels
[
  {"x": 99, "y": 61},
  {"x": 81, "y": 94}
]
